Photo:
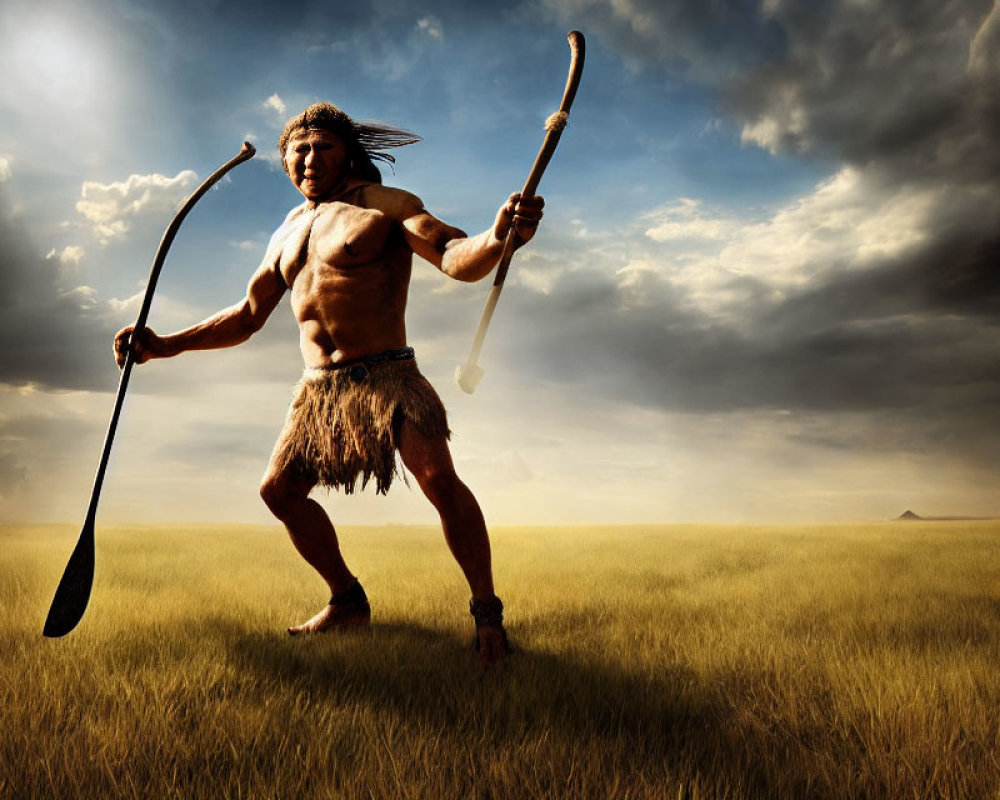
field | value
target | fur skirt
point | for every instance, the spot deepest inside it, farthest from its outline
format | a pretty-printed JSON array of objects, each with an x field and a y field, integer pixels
[{"x": 343, "y": 427}]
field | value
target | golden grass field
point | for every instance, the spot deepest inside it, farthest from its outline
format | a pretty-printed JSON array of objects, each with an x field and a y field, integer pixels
[{"x": 654, "y": 662}]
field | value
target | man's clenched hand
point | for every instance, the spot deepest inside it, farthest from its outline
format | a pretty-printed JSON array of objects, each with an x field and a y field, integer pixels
[
  {"x": 147, "y": 345},
  {"x": 523, "y": 212}
]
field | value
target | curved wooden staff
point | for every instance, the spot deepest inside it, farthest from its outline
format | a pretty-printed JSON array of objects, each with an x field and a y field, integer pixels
[
  {"x": 468, "y": 375},
  {"x": 73, "y": 592}
]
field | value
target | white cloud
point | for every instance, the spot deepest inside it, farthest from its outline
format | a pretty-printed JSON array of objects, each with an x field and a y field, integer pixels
[
  {"x": 785, "y": 121},
  {"x": 984, "y": 51},
  {"x": 540, "y": 282},
  {"x": 131, "y": 304},
  {"x": 639, "y": 283},
  {"x": 853, "y": 220},
  {"x": 684, "y": 220},
  {"x": 167, "y": 313},
  {"x": 848, "y": 221},
  {"x": 112, "y": 207},
  {"x": 81, "y": 298},
  {"x": 431, "y": 27},
  {"x": 275, "y": 103},
  {"x": 724, "y": 262},
  {"x": 249, "y": 245},
  {"x": 5, "y": 172},
  {"x": 69, "y": 256}
]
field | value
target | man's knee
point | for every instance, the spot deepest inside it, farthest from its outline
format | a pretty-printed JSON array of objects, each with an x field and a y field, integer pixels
[
  {"x": 280, "y": 494},
  {"x": 270, "y": 492}
]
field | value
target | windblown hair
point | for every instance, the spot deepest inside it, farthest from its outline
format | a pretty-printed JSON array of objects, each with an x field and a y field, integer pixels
[
  {"x": 366, "y": 141},
  {"x": 340, "y": 431}
]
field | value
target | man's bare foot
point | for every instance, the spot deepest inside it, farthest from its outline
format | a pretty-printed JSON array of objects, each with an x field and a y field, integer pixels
[
  {"x": 333, "y": 618},
  {"x": 491, "y": 644},
  {"x": 348, "y": 610},
  {"x": 491, "y": 638}
]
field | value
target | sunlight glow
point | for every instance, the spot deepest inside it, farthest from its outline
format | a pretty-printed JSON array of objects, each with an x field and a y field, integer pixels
[{"x": 54, "y": 64}]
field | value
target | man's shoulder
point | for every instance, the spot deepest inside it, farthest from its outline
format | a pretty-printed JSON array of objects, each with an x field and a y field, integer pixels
[{"x": 396, "y": 203}]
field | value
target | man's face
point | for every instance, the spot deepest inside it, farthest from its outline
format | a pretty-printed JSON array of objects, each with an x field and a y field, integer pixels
[{"x": 316, "y": 162}]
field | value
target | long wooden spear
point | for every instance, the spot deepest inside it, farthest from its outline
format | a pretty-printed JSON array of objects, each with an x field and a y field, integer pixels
[
  {"x": 73, "y": 592},
  {"x": 468, "y": 375}
]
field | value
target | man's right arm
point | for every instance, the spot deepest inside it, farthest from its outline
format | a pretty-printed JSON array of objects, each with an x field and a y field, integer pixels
[
  {"x": 463, "y": 257},
  {"x": 228, "y": 328}
]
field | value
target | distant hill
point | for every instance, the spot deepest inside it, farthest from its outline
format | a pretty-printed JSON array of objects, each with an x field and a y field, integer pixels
[{"x": 909, "y": 515}]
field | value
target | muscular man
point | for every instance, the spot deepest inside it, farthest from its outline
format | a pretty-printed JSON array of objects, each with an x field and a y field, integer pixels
[{"x": 345, "y": 255}]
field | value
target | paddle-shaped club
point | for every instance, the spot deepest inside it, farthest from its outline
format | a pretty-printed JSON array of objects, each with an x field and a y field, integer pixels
[
  {"x": 468, "y": 375},
  {"x": 73, "y": 592}
]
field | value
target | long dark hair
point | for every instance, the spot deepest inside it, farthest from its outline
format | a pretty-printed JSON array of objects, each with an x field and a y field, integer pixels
[{"x": 366, "y": 141}]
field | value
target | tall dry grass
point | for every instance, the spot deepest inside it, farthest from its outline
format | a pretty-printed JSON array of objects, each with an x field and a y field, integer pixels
[{"x": 656, "y": 662}]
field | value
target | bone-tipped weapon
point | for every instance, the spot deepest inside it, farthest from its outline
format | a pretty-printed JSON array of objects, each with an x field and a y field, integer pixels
[
  {"x": 73, "y": 592},
  {"x": 468, "y": 375}
]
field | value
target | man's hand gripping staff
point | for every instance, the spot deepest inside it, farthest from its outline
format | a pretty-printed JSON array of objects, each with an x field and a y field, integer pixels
[{"x": 511, "y": 225}]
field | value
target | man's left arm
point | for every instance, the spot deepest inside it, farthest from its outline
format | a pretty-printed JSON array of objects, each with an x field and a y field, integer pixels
[{"x": 463, "y": 257}]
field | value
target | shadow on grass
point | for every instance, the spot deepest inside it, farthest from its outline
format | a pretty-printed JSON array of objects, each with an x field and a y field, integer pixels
[{"x": 668, "y": 727}]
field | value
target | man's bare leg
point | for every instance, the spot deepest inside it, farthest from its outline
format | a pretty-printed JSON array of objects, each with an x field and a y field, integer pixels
[
  {"x": 314, "y": 537},
  {"x": 430, "y": 462}
]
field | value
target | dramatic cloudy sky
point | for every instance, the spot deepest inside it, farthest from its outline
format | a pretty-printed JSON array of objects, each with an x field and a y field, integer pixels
[{"x": 767, "y": 287}]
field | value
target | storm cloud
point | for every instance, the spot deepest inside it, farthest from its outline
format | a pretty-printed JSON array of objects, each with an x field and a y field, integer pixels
[
  {"x": 55, "y": 334},
  {"x": 878, "y": 290}
]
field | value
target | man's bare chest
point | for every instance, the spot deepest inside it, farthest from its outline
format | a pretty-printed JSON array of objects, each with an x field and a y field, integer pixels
[{"x": 334, "y": 239}]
